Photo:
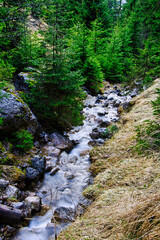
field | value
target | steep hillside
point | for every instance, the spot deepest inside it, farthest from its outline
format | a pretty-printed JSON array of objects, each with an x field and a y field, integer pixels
[{"x": 126, "y": 190}]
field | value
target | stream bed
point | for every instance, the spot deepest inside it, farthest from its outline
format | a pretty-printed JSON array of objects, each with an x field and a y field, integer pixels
[{"x": 62, "y": 191}]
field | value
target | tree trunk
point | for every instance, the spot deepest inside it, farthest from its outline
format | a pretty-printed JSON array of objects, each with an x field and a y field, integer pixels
[{"x": 9, "y": 215}]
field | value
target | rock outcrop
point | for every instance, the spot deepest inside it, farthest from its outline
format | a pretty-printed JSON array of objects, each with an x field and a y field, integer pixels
[{"x": 15, "y": 114}]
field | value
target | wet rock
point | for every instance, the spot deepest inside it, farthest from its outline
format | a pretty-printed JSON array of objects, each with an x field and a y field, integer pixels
[
  {"x": 104, "y": 124},
  {"x": 126, "y": 106},
  {"x": 72, "y": 159},
  {"x": 36, "y": 144},
  {"x": 18, "y": 205},
  {"x": 94, "y": 143},
  {"x": 12, "y": 192},
  {"x": 106, "y": 104},
  {"x": 69, "y": 175},
  {"x": 51, "y": 151},
  {"x": 116, "y": 103},
  {"x": 61, "y": 142},
  {"x": 84, "y": 202},
  {"x": 16, "y": 114},
  {"x": 63, "y": 158},
  {"x": 97, "y": 101},
  {"x": 31, "y": 173},
  {"x": 54, "y": 170},
  {"x": 101, "y": 114},
  {"x": 44, "y": 208},
  {"x": 99, "y": 133},
  {"x": 51, "y": 164},
  {"x": 134, "y": 93},
  {"x": 49, "y": 167},
  {"x": 3, "y": 183},
  {"x": 33, "y": 203},
  {"x": 115, "y": 120},
  {"x": 65, "y": 214},
  {"x": 39, "y": 163}
]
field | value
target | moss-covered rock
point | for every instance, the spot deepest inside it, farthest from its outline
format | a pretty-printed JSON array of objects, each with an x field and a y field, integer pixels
[{"x": 15, "y": 114}]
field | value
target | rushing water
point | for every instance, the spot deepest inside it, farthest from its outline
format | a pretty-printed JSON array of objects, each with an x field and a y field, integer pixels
[{"x": 62, "y": 191}]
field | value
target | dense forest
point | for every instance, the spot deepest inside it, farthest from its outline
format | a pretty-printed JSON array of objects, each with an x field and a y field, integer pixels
[{"x": 80, "y": 44}]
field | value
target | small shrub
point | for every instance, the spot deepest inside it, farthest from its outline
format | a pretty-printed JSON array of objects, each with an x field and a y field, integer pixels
[
  {"x": 156, "y": 104},
  {"x": 25, "y": 140},
  {"x": 1, "y": 120},
  {"x": 148, "y": 137},
  {"x": 111, "y": 130}
]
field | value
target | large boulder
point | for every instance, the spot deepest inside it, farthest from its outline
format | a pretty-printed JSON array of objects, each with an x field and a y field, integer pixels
[
  {"x": 39, "y": 163},
  {"x": 15, "y": 114}
]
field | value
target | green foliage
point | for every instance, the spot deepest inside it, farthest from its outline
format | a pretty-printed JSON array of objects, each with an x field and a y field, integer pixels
[
  {"x": 156, "y": 104},
  {"x": 110, "y": 131},
  {"x": 24, "y": 140},
  {"x": 1, "y": 120},
  {"x": 148, "y": 134},
  {"x": 113, "y": 128},
  {"x": 6, "y": 70},
  {"x": 82, "y": 43}
]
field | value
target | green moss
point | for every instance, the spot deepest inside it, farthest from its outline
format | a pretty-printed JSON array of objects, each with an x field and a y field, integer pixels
[
  {"x": 2, "y": 149},
  {"x": 12, "y": 173}
]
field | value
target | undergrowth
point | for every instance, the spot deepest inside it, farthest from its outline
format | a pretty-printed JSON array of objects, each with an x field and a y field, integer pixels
[{"x": 148, "y": 133}]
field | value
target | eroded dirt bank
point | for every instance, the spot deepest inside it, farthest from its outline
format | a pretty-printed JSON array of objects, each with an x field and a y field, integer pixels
[{"x": 126, "y": 189}]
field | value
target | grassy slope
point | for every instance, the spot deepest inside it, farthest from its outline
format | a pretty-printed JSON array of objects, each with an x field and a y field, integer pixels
[{"x": 127, "y": 186}]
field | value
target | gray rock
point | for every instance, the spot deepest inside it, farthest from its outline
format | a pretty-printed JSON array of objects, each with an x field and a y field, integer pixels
[
  {"x": 99, "y": 133},
  {"x": 51, "y": 151},
  {"x": 16, "y": 114},
  {"x": 69, "y": 175},
  {"x": 106, "y": 104},
  {"x": 54, "y": 170},
  {"x": 61, "y": 142},
  {"x": 12, "y": 192},
  {"x": 126, "y": 106},
  {"x": 39, "y": 163},
  {"x": 31, "y": 173},
  {"x": 50, "y": 167},
  {"x": 104, "y": 124},
  {"x": 100, "y": 114},
  {"x": 65, "y": 214},
  {"x": 33, "y": 203},
  {"x": 72, "y": 159},
  {"x": 116, "y": 103},
  {"x": 63, "y": 158},
  {"x": 84, "y": 202},
  {"x": 18, "y": 205},
  {"x": 3, "y": 183},
  {"x": 21, "y": 83},
  {"x": 134, "y": 93}
]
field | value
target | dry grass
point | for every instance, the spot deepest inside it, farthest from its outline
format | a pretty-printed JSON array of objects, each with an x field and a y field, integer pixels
[{"x": 126, "y": 188}]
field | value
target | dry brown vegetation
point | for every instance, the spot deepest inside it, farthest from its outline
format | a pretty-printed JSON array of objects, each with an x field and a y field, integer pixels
[{"x": 126, "y": 188}]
